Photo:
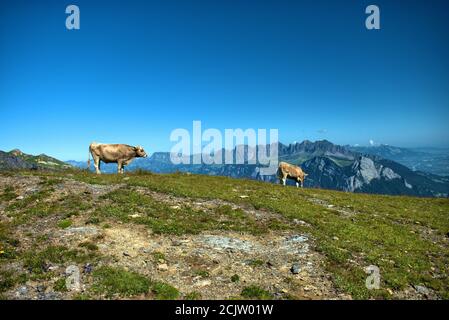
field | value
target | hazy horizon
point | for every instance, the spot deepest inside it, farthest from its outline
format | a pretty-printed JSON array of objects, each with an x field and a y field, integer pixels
[{"x": 80, "y": 159}]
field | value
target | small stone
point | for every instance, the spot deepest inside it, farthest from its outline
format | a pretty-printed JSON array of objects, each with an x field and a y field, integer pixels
[
  {"x": 422, "y": 290},
  {"x": 244, "y": 196},
  {"x": 22, "y": 291},
  {"x": 134, "y": 215},
  {"x": 296, "y": 268},
  {"x": 162, "y": 267},
  {"x": 87, "y": 268},
  {"x": 46, "y": 267},
  {"x": 41, "y": 288},
  {"x": 390, "y": 292},
  {"x": 335, "y": 238},
  {"x": 20, "y": 198},
  {"x": 203, "y": 283},
  {"x": 52, "y": 268}
]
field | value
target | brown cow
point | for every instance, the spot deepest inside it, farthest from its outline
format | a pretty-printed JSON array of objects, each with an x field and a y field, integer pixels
[
  {"x": 289, "y": 171},
  {"x": 122, "y": 154}
]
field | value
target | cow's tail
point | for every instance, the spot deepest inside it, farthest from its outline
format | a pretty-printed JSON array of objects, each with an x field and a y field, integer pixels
[{"x": 88, "y": 159}]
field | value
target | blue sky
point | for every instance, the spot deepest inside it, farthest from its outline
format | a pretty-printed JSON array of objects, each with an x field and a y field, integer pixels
[{"x": 136, "y": 70}]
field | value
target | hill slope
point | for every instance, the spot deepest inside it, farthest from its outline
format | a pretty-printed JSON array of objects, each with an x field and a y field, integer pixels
[
  {"x": 17, "y": 160},
  {"x": 190, "y": 236}
]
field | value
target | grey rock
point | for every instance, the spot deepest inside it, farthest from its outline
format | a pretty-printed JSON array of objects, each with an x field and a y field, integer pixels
[
  {"x": 72, "y": 282},
  {"x": 41, "y": 288},
  {"x": 228, "y": 244},
  {"x": 22, "y": 292},
  {"x": 296, "y": 268},
  {"x": 49, "y": 296},
  {"x": 80, "y": 231},
  {"x": 422, "y": 290}
]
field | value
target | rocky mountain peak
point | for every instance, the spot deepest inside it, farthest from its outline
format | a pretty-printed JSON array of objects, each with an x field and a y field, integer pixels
[{"x": 16, "y": 152}]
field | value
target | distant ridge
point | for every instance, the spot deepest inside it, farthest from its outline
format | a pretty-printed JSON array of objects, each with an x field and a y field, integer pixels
[{"x": 17, "y": 160}]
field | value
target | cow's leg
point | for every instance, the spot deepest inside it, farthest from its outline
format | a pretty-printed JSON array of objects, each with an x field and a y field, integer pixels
[
  {"x": 284, "y": 180},
  {"x": 302, "y": 183},
  {"x": 297, "y": 184},
  {"x": 119, "y": 166},
  {"x": 97, "y": 164}
]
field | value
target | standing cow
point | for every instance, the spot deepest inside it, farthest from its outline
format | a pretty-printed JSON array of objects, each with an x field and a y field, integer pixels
[
  {"x": 122, "y": 154},
  {"x": 289, "y": 171}
]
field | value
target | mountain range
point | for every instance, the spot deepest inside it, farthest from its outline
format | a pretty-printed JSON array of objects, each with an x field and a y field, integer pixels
[
  {"x": 378, "y": 169},
  {"x": 330, "y": 166},
  {"x": 431, "y": 160}
]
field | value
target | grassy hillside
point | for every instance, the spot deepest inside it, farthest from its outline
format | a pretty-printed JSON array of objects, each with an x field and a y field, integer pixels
[
  {"x": 407, "y": 238},
  {"x": 17, "y": 160}
]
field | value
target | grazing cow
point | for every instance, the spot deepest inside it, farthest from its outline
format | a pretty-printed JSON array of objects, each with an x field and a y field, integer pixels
[
  {"x": 122, "y": 154},
  {"x": 289, "y": 171}
]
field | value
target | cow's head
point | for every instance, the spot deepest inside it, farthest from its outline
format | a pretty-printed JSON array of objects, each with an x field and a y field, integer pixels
[{"x": 140, "y": 152}]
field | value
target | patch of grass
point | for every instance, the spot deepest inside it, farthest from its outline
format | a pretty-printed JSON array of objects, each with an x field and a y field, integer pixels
[
  {"x": 115, "y": 281},
  {"x": 162, "y": 218},
  {"x": 40, "y": 205},
  {"x": 9, "y": 279},
  {"x": 255, "y": 263},
  {"x": 64, "y": 224},
  {"x": 235, "y": 278},
  {"x": 255, "y": 292},
  {"x": 93, "y": 220},
  {"x": 8, "y": 194},
  {"x": 36, "y": 261},
  {"x": 60, "y": 285},
  {"x": 201, "y": 273},
  {"x": 8, "y": 243},
  {"x": 193, "y": 296},
  {"x": 89, "y": 245},
  {"x": 164, "y": 291},
  {"x": 157, "y": 255},
  {"x": 49, "y": 182}
]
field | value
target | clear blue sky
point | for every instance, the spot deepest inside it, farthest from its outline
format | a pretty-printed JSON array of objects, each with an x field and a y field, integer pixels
[{"x": 136, "y": 70}]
